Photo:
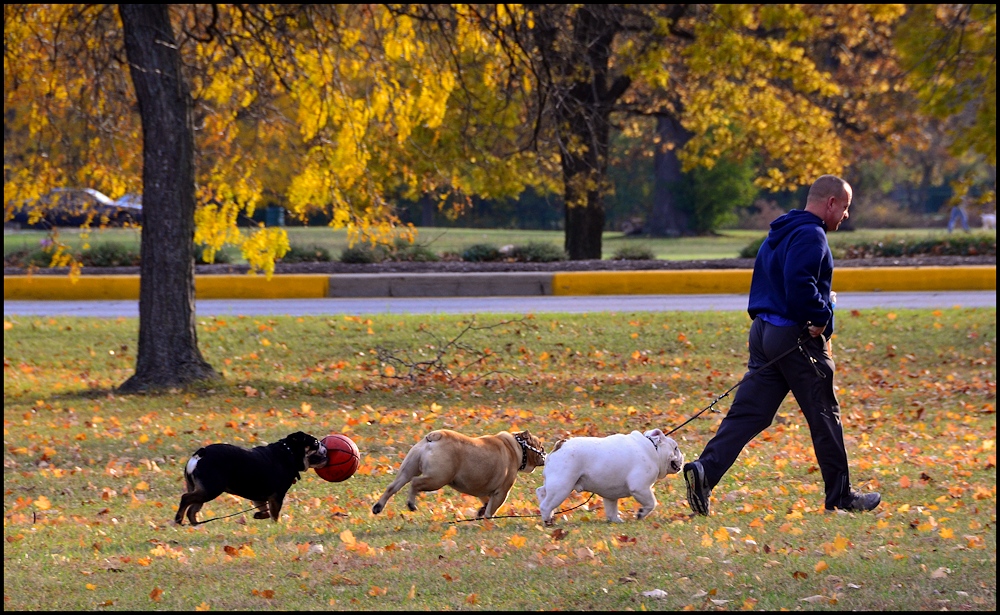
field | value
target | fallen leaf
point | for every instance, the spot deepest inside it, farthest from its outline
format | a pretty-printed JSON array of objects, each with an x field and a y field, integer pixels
[
  {"x": 156, "y": 594},
  {"x": 655, "y": 593},
  {"x": 813, "y": 599}
]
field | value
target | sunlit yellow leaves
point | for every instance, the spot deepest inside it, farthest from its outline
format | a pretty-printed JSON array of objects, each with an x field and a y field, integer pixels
[
  {"x": 43, "y": 503},
  {"x": 837, "y": 547},
  {"x": 517, "y": 541},
  {"x": 820, "y": 566},
  {"x": 244, "y": 550}
]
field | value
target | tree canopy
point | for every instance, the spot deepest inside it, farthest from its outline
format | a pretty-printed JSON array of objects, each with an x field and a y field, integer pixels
[{"x": 342, "y": 109}]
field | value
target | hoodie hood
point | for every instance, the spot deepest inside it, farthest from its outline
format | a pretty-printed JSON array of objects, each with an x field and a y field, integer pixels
[{"x": 785, "y": 225}]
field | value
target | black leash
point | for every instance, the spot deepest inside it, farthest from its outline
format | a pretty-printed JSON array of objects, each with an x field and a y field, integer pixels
[
  {"x": 558, "y": 512},
  {"x": 227, "y": 516},
  {"x": 798, "y": 345}
]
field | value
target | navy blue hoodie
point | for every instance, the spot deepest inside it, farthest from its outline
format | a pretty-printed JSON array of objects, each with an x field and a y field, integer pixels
[{"x": 793, "y": 272}]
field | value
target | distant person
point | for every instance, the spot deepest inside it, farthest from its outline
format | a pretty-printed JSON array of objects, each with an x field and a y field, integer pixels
[
  {"x": 958, "y": 213},
  {"x": 791, "y": 305}
]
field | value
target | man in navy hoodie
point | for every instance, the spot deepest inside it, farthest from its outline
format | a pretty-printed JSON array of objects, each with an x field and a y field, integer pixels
[{"x": 790, "y": 303}]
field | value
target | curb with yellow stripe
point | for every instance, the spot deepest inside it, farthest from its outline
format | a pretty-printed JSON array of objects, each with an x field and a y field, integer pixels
[{"x": 317, "y": 286}]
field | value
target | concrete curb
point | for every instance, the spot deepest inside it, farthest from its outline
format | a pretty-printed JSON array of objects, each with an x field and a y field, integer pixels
[{"x": 318, "y": 286}]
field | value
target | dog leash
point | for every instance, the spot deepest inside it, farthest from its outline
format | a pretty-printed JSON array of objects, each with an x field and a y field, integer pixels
[
  {"x": 227, "y": 516},
  {"x": 798, "y": 345},
  {"x": 558, "y": 512}
]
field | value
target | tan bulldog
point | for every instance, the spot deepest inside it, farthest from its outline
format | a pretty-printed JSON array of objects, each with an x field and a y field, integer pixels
[{"x": 485, "y": 466}]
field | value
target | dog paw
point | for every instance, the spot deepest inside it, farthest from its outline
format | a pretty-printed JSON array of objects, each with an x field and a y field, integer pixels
[
  {"x": 376, "y": 509},
  {"x": 412, "y": 507}
]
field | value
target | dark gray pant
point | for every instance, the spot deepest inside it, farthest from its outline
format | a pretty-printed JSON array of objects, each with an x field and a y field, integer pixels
[{"x": 758, "y": 398}]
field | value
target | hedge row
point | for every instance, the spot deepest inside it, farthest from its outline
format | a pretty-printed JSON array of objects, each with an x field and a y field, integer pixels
[
  {"x": 118, "y": 255},
  {"x": 965, "y": 244}
]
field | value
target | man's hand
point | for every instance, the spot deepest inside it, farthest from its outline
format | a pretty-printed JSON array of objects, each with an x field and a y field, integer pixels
[{"x": 816, "y": 331}]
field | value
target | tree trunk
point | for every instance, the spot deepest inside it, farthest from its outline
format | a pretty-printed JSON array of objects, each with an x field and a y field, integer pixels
[
  {"x": 666, "y": 219},
  {"x": 578, "y": 64},
  {"x": 583, "y": 183},
  {"x": 168, "y": 343}
]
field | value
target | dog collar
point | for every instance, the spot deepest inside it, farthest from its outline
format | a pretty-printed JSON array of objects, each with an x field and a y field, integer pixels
[
  {"x": 655, "y": 445},
  {"x": 525, "y": 447}
]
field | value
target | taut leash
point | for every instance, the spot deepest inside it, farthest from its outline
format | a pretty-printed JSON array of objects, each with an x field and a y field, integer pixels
[{"x": 798, "y": 346}]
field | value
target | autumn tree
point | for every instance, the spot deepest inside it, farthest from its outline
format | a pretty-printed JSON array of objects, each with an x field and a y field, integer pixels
[
  {"x": 797, "y": 89},
  {"x": 782, "y": 84},
  {"x": 950, "y": 51},
  {"x": 356, "y": 95}
]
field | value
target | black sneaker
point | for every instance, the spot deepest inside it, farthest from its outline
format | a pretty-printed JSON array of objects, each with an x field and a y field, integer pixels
[
  {"x": 860, "y": 502},
  {"x": 698, "y": 492}
]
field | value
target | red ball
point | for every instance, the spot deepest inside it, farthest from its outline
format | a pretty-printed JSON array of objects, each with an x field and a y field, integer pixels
[{"x": 343, "y": 458}]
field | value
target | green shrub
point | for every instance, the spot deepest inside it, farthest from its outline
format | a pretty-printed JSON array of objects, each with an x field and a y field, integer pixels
[
  {"x": 363, "y": 254},
  {"x": 222, "y": 257},
  {"x": 538, "y": 252},
  {"x": 27, "y": 258},
  {"x": 750, "y": 251},
  {"x": 110, "y": 255},
  {"x": 481, "y": 252},
  {"x": 414, "y": 252},
  {"x": 633, "y": 253},
  {"x": 311, "y": 254}
]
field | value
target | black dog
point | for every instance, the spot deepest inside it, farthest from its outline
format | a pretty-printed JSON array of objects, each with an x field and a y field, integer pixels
[{"x": 262, "y": 474}]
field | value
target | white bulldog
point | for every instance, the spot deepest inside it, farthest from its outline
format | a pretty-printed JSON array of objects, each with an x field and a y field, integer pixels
[{"x": 613, "y": 467}]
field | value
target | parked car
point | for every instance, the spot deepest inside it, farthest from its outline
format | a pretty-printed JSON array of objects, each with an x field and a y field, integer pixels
[{"x": 73, "y": 206}]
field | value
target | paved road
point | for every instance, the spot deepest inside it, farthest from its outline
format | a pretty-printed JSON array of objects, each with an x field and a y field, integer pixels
[{"x": 506, "y": 305}]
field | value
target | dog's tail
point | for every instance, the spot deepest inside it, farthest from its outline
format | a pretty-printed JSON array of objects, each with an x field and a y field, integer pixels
[
  {"x": 558, "y": 445},
  {"x": 189, "y": 470}
]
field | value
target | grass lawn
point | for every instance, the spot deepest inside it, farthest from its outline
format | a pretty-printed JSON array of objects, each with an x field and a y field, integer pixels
[
  {"x": 725, "y": 244},
  {"x": 92, "y": 478}
]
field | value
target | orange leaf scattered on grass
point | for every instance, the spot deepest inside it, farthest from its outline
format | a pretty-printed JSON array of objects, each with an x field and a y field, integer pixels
[{"x": 156, "y": 594}]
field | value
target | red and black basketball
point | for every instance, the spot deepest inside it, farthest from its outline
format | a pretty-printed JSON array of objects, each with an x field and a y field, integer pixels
[{"x": 343, "y": 457}]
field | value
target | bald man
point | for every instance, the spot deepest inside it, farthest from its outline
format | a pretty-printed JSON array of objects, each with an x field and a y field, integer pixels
[{"x": 791, "y": 305}]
